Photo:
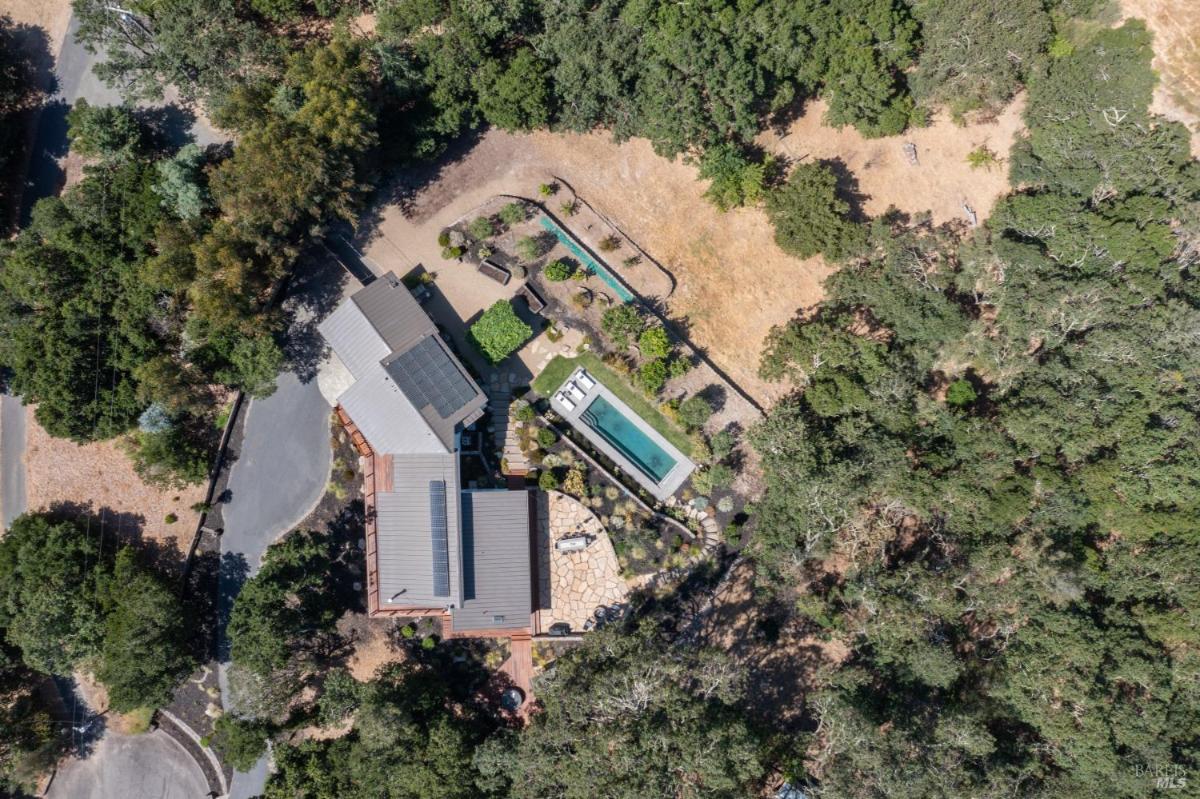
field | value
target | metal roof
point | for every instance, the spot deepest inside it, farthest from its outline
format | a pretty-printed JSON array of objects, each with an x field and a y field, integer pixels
[
  {"x": 387, "y": 419},
  {"x": 497, "y": 587},
  {"x": 391, "y": 309},
  {"x": 354, "y": 339},
  {"x": 404, "y": 533}
]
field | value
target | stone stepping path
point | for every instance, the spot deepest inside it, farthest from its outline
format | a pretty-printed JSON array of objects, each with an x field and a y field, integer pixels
[{"x": 503, "y": 428}]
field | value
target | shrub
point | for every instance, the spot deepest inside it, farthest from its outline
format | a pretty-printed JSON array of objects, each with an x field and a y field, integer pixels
[
  {"x": 631, "y": 261},
  {"x": 725, "y": 504},
  {"x": 408, "y": 631},
  {"x": 652, "y": 376},
  {"x": 678, "y": 367},
  {"x": 452, "y": 253},
  {"x": 240, "y": 742},
  {"x": 481, "y": 228},
  {"x": 525, "y": 413},
  {"x": 654, "y": 343},
  {"x": 610, "y": 243},
  {"x": 582, "y": 299},
  {"x": 702, "y": 481},
  {"x": 556, "y": 271},
  {"x": 428, "y": 642},
  {"x": 528, "y": 248},
  {"x": 733, "y": 533},
  {"x": 546, "y": 437},
  {"x": 547, "y": 481},
  {"x": 622, "y": 323},
  {"x": 694, "y": 412},
  {"x": 720, "y": 475},
  {"x": 575, "y": 484},
  {"x": 512, "y": 214},
  {"x": 736, "y": 180},
  {"x": 982, "y": 157},
  {"x": 569, "y": 208},
  {"x": 444, "y": 238},
  {"x": 722, "y": 445},
  {"x": 580, "y": 275},
  {"x": 518, "y": 271},
  {"x": 499, "y": 332},
  {"x": 170, "y": 518},
  {"x": 960, "y": 394},
  {"x": 548, "y": 189}
]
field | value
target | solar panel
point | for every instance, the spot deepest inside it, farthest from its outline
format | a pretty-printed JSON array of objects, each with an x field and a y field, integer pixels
[
  {"x": 441, "y": 538},
  {"x": 428, "y": 376}
]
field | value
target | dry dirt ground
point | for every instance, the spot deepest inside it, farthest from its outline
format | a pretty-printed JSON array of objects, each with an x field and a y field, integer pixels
[
  {"x": 100, "y": 475},
  {"x": 53, "y": 16},
  {"x": 1176, "y": 28},
  {"x": 733, "y": 283}
]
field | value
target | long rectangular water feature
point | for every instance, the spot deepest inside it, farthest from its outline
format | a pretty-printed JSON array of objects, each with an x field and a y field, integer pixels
[
  {"x": 621, "y": 435},
  {"x": 603, "y": 417},
  {"x": 588, "y": 261}
]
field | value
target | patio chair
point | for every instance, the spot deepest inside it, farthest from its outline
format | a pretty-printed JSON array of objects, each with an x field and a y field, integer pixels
[
  {"x": 585, "y": 380},
  {"x": 561, "y": 397},
  {"x": 575, "y": 391}
]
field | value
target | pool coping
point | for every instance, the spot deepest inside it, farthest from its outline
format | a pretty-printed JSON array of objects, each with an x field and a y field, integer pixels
[{"x": 661, "y": 490}]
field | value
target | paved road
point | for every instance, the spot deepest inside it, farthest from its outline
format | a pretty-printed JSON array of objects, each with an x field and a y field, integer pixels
[
  {"x": 282, "y": 465},
  {"x": 148, "y": 766},
  {"x": 12, "y": 461}
]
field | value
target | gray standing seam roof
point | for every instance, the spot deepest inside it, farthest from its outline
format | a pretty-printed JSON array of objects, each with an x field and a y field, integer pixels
[
  {"x": 354, "y": 339},
  {"x": 497, "y": 587},
  {"x": 394, "y": 313},
  {"x": 404, "y": 533}
]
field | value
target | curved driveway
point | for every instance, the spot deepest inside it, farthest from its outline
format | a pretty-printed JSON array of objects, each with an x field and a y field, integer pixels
[
  {"x": 281, "y": 470},
  {"x": 148, "y": 766}
]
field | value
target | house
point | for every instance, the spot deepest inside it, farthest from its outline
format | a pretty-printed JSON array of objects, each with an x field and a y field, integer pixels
[{"x": 433, "y": 547}]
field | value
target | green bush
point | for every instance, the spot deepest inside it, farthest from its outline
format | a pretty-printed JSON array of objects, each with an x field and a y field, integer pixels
[
  {"x": 170, "y": 518},
  {"x": 408, "y": 631},
  {"x": 499, "y": 332},
  {"x": 547, "y": 481},
  {"x": 678, "y": 367},
  {"x": 719, "y": 476},
  {"x": 557, "y": 271},
  {"x": 548, "y": 189},
  {"x": 452, "y": 253},
  {"x": 240, "y": 742},
  {"x": 654, "y": 343},
  {"x": 528, "y": 248},
  {"x": 652, "y": 376},
  {"x": 622, "y": 323},
  {"x": 960, "y": 394},
  {"x": 525, "y": 413},
  {"x": 481, "y": 228},
  {"x": 444, "y": 238},
  {"x": 694, "y": 412},
  {"x": 428, "y": 642},
  {"x": 546, "y": 437},
  {"x": 610, "y": 244},
  {"x": 569, "y": 208},
  {"x": 512, "y": 214},
  {"x": 722, "y": 445}
]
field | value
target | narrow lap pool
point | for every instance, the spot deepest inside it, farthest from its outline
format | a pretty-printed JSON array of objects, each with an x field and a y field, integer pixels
[{"x": 612, "y": 425}]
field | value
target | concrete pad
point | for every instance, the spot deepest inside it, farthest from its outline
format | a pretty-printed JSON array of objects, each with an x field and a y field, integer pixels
[{"x": 149, "y": 766}]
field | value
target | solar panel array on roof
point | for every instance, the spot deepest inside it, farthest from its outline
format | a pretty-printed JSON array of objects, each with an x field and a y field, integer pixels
[
  {"x": 428, "y": 376},
  {"x": 441, "y": 538}
]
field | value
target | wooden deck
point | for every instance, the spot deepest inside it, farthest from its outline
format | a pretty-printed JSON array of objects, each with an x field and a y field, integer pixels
[{"x": 519, "y": 666}]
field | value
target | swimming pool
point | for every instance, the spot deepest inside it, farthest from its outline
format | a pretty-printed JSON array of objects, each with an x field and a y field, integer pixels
[
  {"x": 588, "y": 261},
  {"x": 613, "y": 426}
]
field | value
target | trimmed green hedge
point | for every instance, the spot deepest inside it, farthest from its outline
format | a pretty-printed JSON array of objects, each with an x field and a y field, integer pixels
[{"x": 499, "y": 332}]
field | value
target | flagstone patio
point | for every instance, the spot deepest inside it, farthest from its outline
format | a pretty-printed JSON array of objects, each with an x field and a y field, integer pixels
[{"x": 577, "y": 583}]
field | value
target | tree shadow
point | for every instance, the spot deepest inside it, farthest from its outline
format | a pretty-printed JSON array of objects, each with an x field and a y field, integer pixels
[
  {"x": 29, "y": 78},
  {"x": 169, "y": 126},
  {"x": 716, "y": 395},
  {"x": 314, "y": 291},
  {"x": 232, "y": 574}
]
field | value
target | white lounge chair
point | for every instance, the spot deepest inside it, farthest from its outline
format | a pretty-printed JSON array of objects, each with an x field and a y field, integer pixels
[
  {"x": 586, "y": 381},
  {"x": 565, "y": 400},
  {"x": 575, "y": 391}
]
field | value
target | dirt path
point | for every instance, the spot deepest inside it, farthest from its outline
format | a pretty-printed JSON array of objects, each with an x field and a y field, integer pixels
[
  {"x": 1176, "y": 28},
  {"x": 733, "y": 283}
]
